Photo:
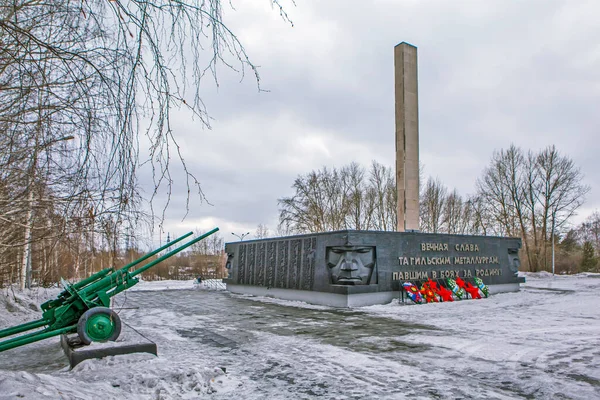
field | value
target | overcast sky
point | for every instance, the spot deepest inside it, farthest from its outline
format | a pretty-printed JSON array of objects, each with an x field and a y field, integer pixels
[{"x": 491, "y": 73}]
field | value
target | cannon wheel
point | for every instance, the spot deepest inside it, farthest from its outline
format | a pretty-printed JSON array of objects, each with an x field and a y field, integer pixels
[{"x": 99, "y": 324}]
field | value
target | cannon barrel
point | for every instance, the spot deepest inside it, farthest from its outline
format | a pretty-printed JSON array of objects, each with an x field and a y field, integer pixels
[
  {"x": 22, "y": 328},
  {"x": 166, "y": 246},
  {"x": 69, "y": 294},
  {"x": 119, "y": 278},
  {"x": 172, "y": 253}
]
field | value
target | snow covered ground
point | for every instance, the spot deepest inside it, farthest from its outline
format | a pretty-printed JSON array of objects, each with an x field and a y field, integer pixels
[{"x": 540, "y": 343}]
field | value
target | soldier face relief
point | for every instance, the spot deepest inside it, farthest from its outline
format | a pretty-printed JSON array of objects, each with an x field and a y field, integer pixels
[{"x": 351, "y": 265}]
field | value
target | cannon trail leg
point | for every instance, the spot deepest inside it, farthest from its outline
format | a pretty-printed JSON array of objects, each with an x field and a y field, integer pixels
[
  {"x": 34, "y": 337},
  {"x": 22, "y": 328}
]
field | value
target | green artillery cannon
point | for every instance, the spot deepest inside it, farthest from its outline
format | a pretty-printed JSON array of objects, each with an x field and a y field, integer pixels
[{"x": 83, "y": 307}]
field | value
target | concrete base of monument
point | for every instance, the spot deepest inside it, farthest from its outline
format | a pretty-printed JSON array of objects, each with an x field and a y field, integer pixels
[
  {"x": 347, "y": 296},
  {"x": 130, "y": 341},
  {"x": 505, "y": 287}
]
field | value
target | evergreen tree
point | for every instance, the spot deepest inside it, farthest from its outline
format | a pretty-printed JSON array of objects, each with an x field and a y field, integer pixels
[
  {"x": 569, "y": 243},
  {"x": 589, "y": 261}
]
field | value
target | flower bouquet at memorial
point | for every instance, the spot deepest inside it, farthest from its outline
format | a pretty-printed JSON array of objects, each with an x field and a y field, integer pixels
[
  {"x": 444, "y": 293},
  {"x": 413, "y": 292},
  {"x": 482, "y": 286},
  {"x": 472, "y": 291},
  {"x": 427, "y": 290},
  {"x": 458, "y": 291}
]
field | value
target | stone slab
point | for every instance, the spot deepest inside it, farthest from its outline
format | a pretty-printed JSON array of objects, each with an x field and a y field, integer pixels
[
  {"x": 128, "y": 343},
  {"x": 342, "y": 300},
  {"x": 505, "y": 288}
]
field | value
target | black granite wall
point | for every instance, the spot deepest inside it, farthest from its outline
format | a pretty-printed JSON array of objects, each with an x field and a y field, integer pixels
[{"x": 312, "y": 262}]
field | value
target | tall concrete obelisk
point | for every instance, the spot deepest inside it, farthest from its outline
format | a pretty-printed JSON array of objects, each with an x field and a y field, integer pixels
[{"x": 407, "y": 136}]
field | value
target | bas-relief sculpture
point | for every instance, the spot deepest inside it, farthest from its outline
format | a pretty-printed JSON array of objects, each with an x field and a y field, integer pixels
[
  {"x": 286, "y": 264},
  {"x": 513, "y": 260},
  {"x": 351, "y": 265}
]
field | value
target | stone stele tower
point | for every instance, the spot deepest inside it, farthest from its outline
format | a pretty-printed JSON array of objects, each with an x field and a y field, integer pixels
[{"x": 407, "y": 136}]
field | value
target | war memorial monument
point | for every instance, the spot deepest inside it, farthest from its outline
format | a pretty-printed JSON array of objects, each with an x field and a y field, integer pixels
[{"x": 357, "y": 268}]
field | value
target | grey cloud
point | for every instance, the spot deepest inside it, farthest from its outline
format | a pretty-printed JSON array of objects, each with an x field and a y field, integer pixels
[{"x": 490, "y": 74}]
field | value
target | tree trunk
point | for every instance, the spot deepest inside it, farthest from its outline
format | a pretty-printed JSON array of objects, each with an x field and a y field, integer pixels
[{"x": 25, "y": 276}]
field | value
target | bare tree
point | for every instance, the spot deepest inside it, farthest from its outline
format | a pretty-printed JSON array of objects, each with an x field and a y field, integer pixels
[
  {"x": 530, "y": 196},
  {"x": 91, "y": 70},
  {"x": 502, "y": 189},
  {"x": 453, "y": 215},
  {"x": 284, "y": 229},
  {"x": 262, "y": 232},
  {"x": 476, "y": 216},
  {"x": 559, "y": 193},
  {"x": 360, "y": 200},
  {"x": 382, "y": 189},
  {"x": 589, "y": 230},
  {"x": 131, "y": 50},
  {"x": 318, "y": 204},
  {"x": 305, "y": 211},
  {"x": 49, "y": 99},
  {"x": 335, "y": 199},
  {"x": 433, "y": 202},
  {"x": 212, "y": 245}
]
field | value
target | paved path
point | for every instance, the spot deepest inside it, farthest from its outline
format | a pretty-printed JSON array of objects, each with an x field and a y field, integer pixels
[{"x": 540, "y": 343}]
